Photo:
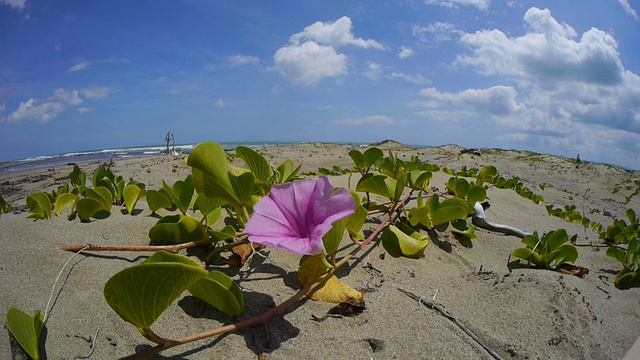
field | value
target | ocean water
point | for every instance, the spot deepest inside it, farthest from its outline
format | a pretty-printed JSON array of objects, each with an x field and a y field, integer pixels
[{"x": 49, "y": 161}]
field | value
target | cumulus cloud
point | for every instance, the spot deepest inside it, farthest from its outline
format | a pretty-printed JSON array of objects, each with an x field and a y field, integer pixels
[
  {"x": 220, "y": 103},
  {"x": 548, "y": 52},
  {"x": 306, "y": 63},
  {"x": 16, "y": 4},
  {"x": 628, "y": 9},
  {"x": 370, "y": 120},
  {"x": 44, "y": 110},
  {"x": 437, "y": 32},
  {"x": 238, "y": 60},
  {"x": 496, "y": 100},
  {"x": 570, "y": 79},
  {"x": 455, "y": 4},
  {"x": 309, "y": 63},
  {"x": 405, "y": 52},
  {"x": 336, "y": 34}
]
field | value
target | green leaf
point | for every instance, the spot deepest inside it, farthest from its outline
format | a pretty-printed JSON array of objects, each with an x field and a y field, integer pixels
[
  {"x": 371, "y": 156},
  {"x": 141, "y": 293},
  {"x": 476, "y": 194},
  {"x": 206, "y": 205},
  {"x": 566, "y": 254},
  {"x": 624, "y": 277},
  {"x": 555, "y": 239},
  {"x": 220, "y": 291},
  {"x": 358, "y": 159},
  {"x": 522, "y": 253},
  {"x": 64, "y": 201},
  {"x": 98, "y": 196},
  {"x": 210, "y": 171},
  {"x": 26, "y": 330},
  {"x": 4, "y": 207},
  {"x": 131, "y": 195},
  {"x": 357, "y": 220},
  {"x": 88, "y": 207},
  {"x": 404, "y": 241},
  {"x": 449, "y": 210},
  {"x": 78, "y": 177},
  {"x": 227, "y": 233},
  {"x": 332, "y": 239},
  {"x": 177, "y": 229},
  {"x": 381, "y": 185},
  {"x": 419, "y": 179},
  {"x": 258, "y": 165},
  {"x": 107, "y": 196},
  {"x": 287, "y": 172},
  {"x": 631, "y": 215},
  {"x": 488, "y": 172},
  {"x": 157, "y": 200},
  {"x": 39, "y": 205},
  {"x": 420, "y": 216},
  {"x": 464, "y": 228},
  {"x": 531, "y": 241}
]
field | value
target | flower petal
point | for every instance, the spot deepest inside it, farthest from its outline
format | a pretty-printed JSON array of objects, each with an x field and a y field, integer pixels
[{"x": 295, "y": 216}]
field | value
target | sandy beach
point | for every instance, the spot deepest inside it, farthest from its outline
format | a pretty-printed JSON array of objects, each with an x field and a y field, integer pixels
[{"x": 521, "y": 313}]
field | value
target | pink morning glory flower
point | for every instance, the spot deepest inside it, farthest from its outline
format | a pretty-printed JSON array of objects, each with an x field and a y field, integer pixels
[{"x": 295, "y": 216}]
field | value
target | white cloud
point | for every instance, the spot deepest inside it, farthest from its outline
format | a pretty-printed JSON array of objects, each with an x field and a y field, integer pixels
[
  {"x": 44, "y": 110},
  {"x": 412, "y": 78},
  {"x": 83, "y": 109},
  {"x": 373, "y": 71},
  {"x": 496, "y": 100},
  {"x": 405, "y": 52},
  {"x": 480, "y": 4},
  {"x": 97, "y": 92},
  {"x": 437, "y": 32},
  {"x": 336, "y": 34},
  {"x": 309, "y": 63},
  {"x": 628, "y": 9},
  {"x": 238, "y": 60},
  {"x": 84, "y": 65},
  {"x": 569, "y": 80},
  {"x": 316, "y": 58},
  {"x": 16, "y": 4},
  {"x": 220, "y": 103},
  {"x": 79, "y": 66},
  {"x": 370, "y": 120},
  {"x": 548, "y": 53}
]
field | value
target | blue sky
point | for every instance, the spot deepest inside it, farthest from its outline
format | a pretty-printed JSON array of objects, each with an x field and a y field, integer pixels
[{"x": 560, "y": 77}]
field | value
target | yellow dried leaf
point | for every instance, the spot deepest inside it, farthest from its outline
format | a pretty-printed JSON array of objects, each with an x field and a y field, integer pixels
[{"x": 334, "y": 290}]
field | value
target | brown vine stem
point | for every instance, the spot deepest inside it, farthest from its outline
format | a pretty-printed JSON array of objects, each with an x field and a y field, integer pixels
[
  {"x": 164, "y": 344},
  {"x": 169, "y": 248}
]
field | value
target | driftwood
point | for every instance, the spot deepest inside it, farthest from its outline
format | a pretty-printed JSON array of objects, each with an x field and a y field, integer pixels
[{"x": 479, "y": 219}]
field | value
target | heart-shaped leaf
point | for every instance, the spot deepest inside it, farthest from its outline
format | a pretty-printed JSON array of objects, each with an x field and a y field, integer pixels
[
  {"x": 157, "y": 200},
  {"x": 258, "y": 165},
  {"x": 131, "y": 194},
  {"x": 381, "y": 185},
  {"x": 177, "y": 229},
  {"x": 403, "y": 240},
  {"x": 88, "y": 207},
  {"x": 287, "y": 172},
  {"x": 64, "y": 201},
  {"x": 220, "y": 291},
  {"x": 141, "y": 293},
  {"x": 39, "y": 205},
  {"x": 26, "y": 330},
  {"x": 210, "y": 170}
]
